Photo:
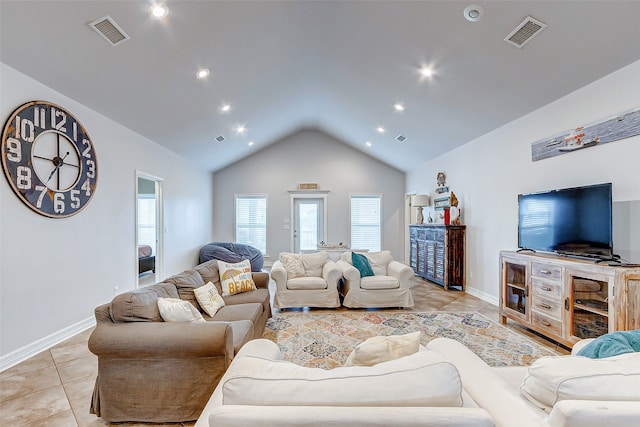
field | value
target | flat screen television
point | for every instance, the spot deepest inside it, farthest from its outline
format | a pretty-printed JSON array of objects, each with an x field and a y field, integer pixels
[{"x": 570, "y": 221}]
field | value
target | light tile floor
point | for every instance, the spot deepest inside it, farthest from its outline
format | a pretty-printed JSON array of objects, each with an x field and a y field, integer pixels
[{"x": 54, "y": 388}]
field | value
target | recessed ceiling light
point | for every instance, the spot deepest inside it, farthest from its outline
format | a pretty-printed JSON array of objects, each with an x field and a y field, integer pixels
[
  {"x": 250, "y": 143},
  {"x": 368, "y": 144},
  {"x": 202, "y": 73},
  {"x": 380, "y": 129},
  {"x": 426, "y": 71},
  {"x": 240, "y": 129},
  {"x": 473, "y": 13},
  {"x": 225, "y": 108},
  {"x": 158, "y": 10},
  {"x": 398, "y": 106}
]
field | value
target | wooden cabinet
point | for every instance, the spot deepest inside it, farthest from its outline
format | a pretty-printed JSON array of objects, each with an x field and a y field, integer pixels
[
  {"x": 437, "y": 253},
  {"x": 568, "y": 299}
]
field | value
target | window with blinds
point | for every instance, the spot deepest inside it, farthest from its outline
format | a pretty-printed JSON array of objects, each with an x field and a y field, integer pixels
[
  {"x": 366, "y": 219},
  {"x": 147, "y": 221},
  {"x": 251, "y": 221}
]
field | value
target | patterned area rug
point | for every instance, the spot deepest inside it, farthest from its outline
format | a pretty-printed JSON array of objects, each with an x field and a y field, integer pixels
[{"x": 325, "y": 340}]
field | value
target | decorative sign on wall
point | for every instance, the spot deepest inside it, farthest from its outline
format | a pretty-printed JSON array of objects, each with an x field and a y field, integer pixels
[
  {"x": 49, "y": 159},
  {"x": 622, "y": 126}
]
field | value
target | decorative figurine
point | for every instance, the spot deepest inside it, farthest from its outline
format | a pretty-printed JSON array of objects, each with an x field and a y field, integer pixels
[{"x": 441, "y": 179}]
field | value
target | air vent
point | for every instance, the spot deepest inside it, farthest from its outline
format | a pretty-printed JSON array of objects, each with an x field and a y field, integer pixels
[
  {"x": 401, "y": 138},
  {"x": 109, "y": 30},
  {"x": 524, "y": 32},
  {"x": 220, "y": 138}
]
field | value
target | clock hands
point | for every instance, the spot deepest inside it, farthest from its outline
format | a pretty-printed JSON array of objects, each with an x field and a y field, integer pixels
[{"x": 58, "y": 162}]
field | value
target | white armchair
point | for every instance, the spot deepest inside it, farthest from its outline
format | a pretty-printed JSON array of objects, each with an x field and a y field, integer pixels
[
  {"x": 388, "y": 287},
  {"x": 306, "y": 280}
]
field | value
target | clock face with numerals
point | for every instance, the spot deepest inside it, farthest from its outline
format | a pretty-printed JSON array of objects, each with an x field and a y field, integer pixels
[{"x": 49, "y": 159}]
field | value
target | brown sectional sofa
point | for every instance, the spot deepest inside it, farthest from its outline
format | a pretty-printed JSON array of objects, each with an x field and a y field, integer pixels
[{"x": 155, "y": 371}]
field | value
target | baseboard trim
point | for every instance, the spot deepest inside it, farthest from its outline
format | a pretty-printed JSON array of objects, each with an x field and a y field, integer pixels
[
  {"x": 482, "y": 295},
  {"x": 20, "y": 355}
]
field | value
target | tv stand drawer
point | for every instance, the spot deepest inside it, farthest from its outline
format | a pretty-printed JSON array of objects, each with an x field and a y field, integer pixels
[
  {"x": 546, "y": 289},
  {"x": 550, "y": 272},
  {"x": 552, "y": 325}
]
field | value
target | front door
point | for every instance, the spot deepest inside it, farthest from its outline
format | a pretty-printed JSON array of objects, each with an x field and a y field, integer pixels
[{"x": 308, "y": 224}]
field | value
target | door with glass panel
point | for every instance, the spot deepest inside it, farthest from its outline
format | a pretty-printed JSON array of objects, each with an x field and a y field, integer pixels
[{"x": 308, "y": 223}]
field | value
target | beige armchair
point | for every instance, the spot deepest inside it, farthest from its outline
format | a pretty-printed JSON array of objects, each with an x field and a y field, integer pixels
[
  {"x": 306, "y": 280},
  {"x": 388, "y": 287}
]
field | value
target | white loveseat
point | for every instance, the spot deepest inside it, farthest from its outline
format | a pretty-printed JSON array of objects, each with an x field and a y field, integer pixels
[
  {"x": 445, "y": 385},
  {"x": 388, "y": 287}
]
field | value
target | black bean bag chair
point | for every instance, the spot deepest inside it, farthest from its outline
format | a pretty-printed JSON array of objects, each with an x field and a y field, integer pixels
[{"x": 232, "y": 252}]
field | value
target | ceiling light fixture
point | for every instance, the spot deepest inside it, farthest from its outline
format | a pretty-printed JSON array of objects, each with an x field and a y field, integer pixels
[
  {"x": 368, "y": 143},
  {"x": 225, "y": 108},
  {"x": 250, "y": 143},
  {"x": 473, "y": 13},
  {"x": 240, "y": 129},
  {"x": 398, "y": 106},
  {"x": 158, "y": 10},
  {"x": 380, "y": 129},
  {"x": 202, "y": 73},
  {"x": 426, "y": 71}
]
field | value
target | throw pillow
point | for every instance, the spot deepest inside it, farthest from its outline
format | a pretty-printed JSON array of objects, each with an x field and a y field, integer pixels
[
  {"x": 292, "y": 264},
  {"x": 361, "y": 262},
  {"x": 382, "y": 349},
  {"x": 209, "y": 298},
  {"x": 236, "y": 278},
  {"x": 612, "y": 344},
  {"x": 177, "y": 310}
]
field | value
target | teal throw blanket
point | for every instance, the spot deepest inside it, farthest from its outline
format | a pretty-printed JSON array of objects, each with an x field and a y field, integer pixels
[{"x": 612, "y": 344}]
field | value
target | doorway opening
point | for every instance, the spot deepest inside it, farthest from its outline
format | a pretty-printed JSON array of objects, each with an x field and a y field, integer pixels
[
  {"x": 309, "y": 213},
  {"x": 148, "y": 229}
]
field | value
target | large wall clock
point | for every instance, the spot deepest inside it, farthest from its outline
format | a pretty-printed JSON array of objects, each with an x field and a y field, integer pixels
[{"x": 49, "y": 159}]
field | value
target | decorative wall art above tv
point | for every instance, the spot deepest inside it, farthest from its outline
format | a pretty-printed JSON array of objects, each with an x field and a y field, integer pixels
[{"x": 621, "y": 126}]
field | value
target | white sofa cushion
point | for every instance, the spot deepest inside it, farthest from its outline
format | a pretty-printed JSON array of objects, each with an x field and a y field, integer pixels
[
  {"x": 306, "y": 283},
  {"x": 379, "y": 282},
  {"x": 313, "y": 263},
  {"x": 379, "y": 262},
  {"x": 552, "y": 379},
  {"x": 380, "y": 349},
  {"x": 421, "y": 379}
]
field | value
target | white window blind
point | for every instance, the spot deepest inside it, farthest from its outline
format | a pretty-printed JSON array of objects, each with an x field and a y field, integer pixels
[
  {"x": 365, "y": 223},
  {"x": 147, "y": 221},
  {"x": 251, "y": 221}
]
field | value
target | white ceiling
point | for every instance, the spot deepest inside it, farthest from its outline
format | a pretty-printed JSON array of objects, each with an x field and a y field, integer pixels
[{"x": 337, "y": 66}]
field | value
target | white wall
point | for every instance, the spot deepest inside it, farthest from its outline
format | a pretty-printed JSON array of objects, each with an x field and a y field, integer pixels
[
  {"x": 310, "y": 156},
  {"x": 54, "y": 272},
  {"x": 489, "y": 172}
]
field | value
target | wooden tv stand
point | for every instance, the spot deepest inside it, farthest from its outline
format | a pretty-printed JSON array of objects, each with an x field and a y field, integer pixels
[{"x": 568, "y": 299}]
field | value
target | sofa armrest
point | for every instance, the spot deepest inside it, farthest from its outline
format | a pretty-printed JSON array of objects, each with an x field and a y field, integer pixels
[
  {"x": 332, "y": 274},
  {"x": 486, "y": 387},
  {"x": 162, "y": 340},
  {"x": 400, "y": 271},
  {"x": 279, "y": 275},
  {"x": 350, "y": 273},
  {"x": 261, "y": 279},
  {"x": 594, "y": 413}
]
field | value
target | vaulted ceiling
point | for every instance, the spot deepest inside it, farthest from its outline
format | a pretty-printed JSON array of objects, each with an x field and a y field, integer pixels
[{"x": 336, "y": 66}]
